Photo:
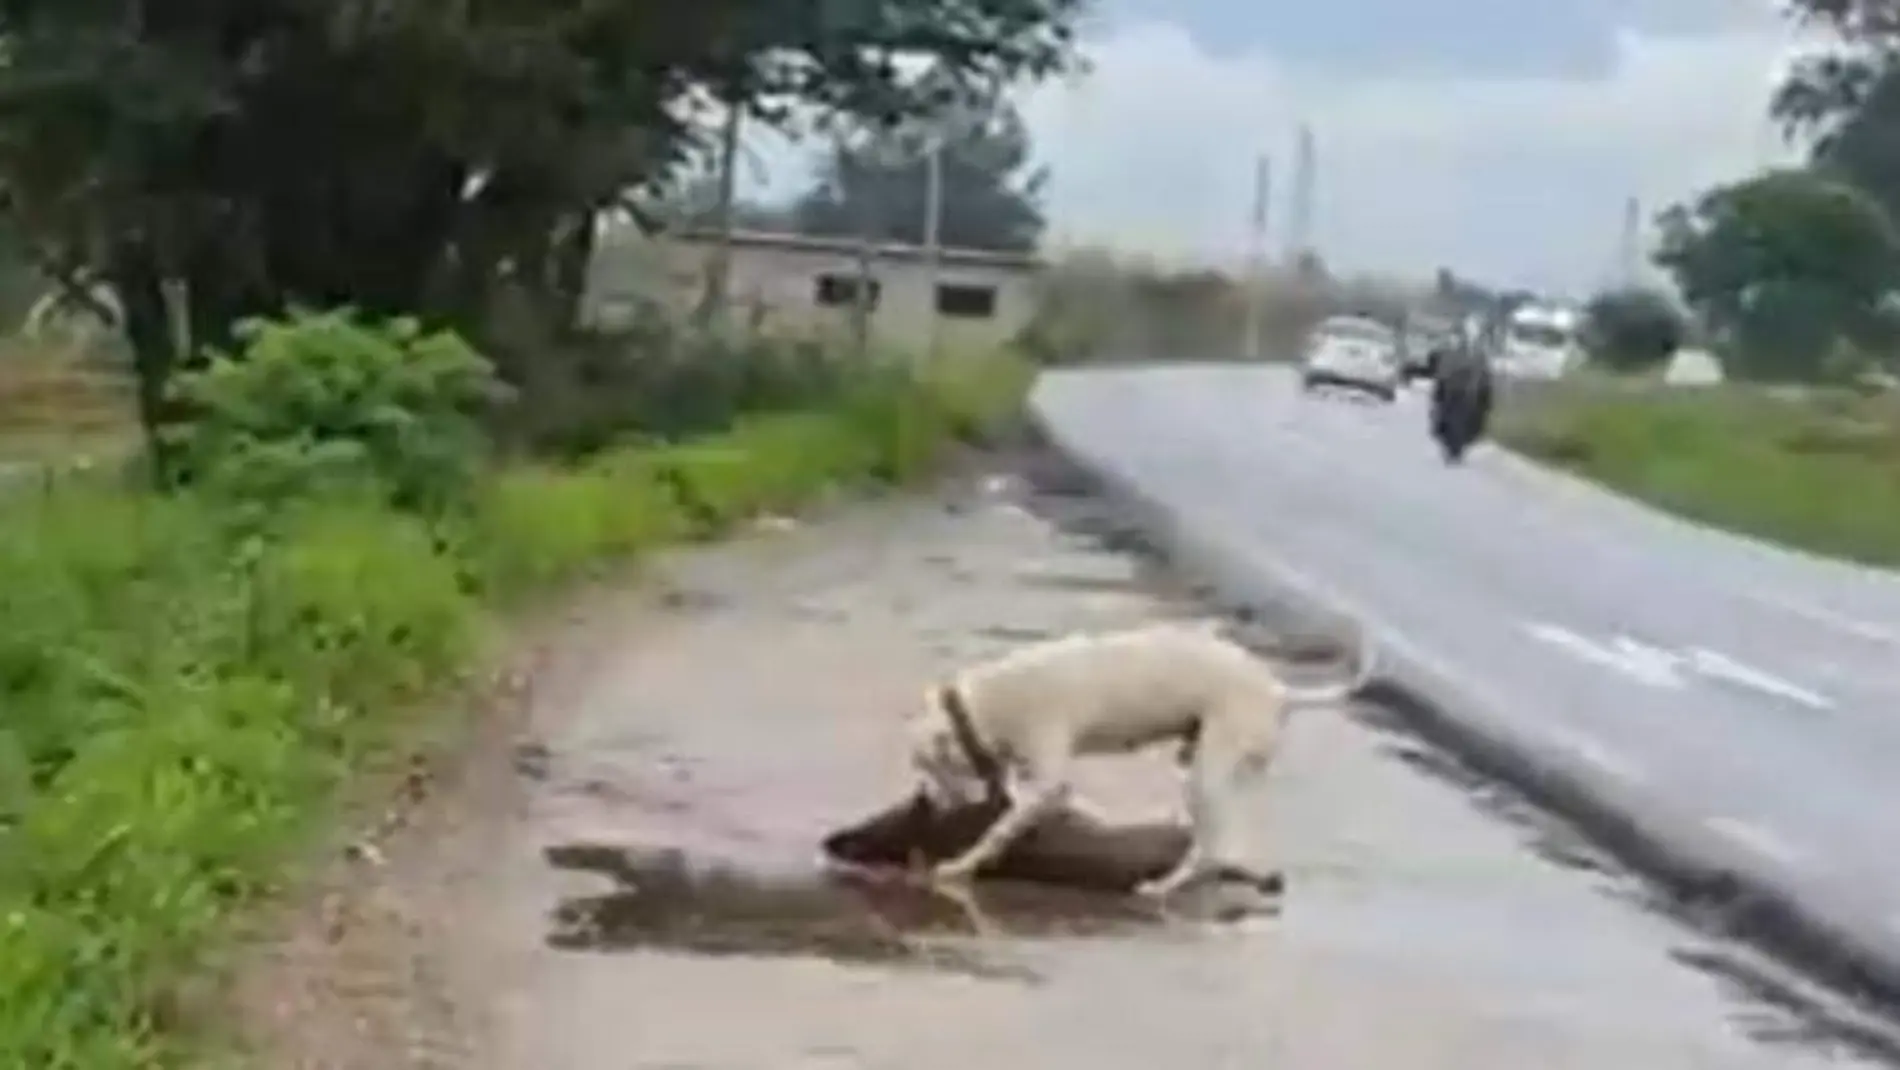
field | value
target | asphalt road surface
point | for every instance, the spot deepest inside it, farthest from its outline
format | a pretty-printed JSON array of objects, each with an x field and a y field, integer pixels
[{"x": 1742, "y": 705}]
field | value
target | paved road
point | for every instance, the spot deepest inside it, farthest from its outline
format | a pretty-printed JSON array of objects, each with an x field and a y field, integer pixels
[{"x": 1743, "y": 705}]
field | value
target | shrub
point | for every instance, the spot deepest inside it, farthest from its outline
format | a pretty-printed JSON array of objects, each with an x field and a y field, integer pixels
[
  {"x": 1632, "y": 330},
  {"x": 658, "y": 378},
  {"x": 321, "y": 402}
]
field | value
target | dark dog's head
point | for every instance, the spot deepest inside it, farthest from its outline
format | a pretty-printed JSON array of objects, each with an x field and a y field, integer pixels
[{"x": 912, "y": 831}]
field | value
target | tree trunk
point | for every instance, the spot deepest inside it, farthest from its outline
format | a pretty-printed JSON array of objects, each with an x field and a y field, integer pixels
[
  {"x": 134, "y": 274},
  {"x": 573, "y": 257}
]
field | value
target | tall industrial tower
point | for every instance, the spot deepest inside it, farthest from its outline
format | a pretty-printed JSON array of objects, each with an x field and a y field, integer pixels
[
  {"x": 1629, "y": 246},
  {"x": 1299, "y": 233},
  {"x": 1257, "y": 252}
]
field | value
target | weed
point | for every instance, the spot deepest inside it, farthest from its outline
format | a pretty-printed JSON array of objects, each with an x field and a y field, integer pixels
[{"x": 1815, "y": 469}]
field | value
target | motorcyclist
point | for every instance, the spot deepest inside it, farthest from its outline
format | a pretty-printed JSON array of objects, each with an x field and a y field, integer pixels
[{"x": 1462, "y": 384}]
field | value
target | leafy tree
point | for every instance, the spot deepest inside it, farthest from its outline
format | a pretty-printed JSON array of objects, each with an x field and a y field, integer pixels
[
  {"x": 694, "y": 205},
  {"x": 221, "y": 160},
  {"x": 1848, "y": 98},
  {"x": 1786, "y": 269},
  {"x": 1863, "y": 147},
  {"x": 1632, "y": 329},
  {"x": 991, "y": 191},
  {"x": 1828, "y": 88}
]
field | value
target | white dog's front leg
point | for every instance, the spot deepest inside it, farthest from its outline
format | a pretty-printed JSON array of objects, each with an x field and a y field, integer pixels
[{"x": 1028, "y": 805}]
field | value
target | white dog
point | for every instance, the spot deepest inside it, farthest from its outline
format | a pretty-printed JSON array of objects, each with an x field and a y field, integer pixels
[{"x": 1033, "y": 711}]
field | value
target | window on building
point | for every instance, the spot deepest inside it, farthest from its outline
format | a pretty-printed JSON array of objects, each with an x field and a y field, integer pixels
[
  {"x": 966, "y": 302},
  {"x": 841, "y": 291}
]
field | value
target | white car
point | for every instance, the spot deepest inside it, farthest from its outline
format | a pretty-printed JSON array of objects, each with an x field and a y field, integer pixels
[
  {"x": 1355, "y": 353},
  {"x": 1540, "y": 342}
]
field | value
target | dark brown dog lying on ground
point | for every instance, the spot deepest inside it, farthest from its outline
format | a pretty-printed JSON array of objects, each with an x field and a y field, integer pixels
[{"x": 1065, "y": 848}]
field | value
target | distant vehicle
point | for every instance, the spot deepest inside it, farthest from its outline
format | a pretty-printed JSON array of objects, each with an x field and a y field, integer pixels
[
  {"x": 1540, "y": 342},
  {"x": 1353, "y": 353}
]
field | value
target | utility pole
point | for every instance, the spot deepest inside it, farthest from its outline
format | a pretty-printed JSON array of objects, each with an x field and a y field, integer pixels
[
  {"x": 952, "y": 118},
  {"x": 1628, "y": 249},
  {"x": 933, "y": 236},
  {"x": 859, "y": 174},
  {"x": 1300, "y": 224},
  {"x": 719, "y": 266},
  {"x": 1257, "y": 254}
]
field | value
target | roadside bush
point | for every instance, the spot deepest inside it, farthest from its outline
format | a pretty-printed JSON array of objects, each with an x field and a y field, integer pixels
[
  {"x": 185, "y": 694},
  {"x": 1632, "y": 330},
  {"x": 533, "y": 528},
  {"x": 657, "y": 378},
  {"x": 320, "y": 403}
]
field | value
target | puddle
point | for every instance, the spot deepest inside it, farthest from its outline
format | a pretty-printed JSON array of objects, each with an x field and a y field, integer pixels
[
  {"x": 663, "y": 899},
  {"x": 1059, "y": 580},
  {"x": 1013, "y": 633}
]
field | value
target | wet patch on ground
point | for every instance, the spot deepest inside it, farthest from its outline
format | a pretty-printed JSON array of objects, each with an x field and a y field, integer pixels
[{"x": 664, "y": 900}]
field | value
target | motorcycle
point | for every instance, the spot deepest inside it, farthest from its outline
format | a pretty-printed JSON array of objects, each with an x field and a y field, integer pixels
[{"x": 1461, "y": 403}]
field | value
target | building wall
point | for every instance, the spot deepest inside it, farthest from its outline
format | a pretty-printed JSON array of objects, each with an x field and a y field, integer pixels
[{"x": 780, "y": 283}]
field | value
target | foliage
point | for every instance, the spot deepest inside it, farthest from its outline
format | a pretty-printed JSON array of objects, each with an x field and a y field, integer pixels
[
  {"x": 1632, "y": 330},
  {"x": 183, "y": 697},
  {"x": 1811, "y": 468},
  {"x": 1789, "y": 270},
  {"x": 694, "y": 205},
  {"x": 659, "y": 377},
  {"x": 1827, "y": 87},
  {"x": 991, "y": 193},
  {"x": 323, "y": 401},
  {"x": 466, "y": 151}
]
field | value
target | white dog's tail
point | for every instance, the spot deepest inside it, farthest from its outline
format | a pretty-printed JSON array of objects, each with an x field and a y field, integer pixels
[{"x": 1327, "y": 694}]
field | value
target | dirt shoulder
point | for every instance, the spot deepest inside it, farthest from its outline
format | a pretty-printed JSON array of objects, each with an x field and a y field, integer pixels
[{"x": 705, "y": 729}]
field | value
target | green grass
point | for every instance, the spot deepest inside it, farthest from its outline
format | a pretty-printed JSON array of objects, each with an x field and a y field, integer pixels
[
  {"x": 183, "y": 703},
  {"x": 1814, "y": 469}
]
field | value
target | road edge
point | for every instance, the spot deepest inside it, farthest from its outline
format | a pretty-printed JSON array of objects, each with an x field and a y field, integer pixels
[
  {"x": 1552, "y": 478},
  {"x": 1701, "y": 877}
]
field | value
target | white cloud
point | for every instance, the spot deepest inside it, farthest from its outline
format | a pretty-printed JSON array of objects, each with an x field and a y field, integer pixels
[{"x": 1509, "y": 180}]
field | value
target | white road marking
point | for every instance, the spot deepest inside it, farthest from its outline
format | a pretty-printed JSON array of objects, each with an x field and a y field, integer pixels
[
  {"x": 1628, "y": 657},
  {"x": 1654, "y": 659},
  {"x": 1660, "y": 667},
  {"x": 1878, "y": 633},
  {"x": 1757, "y": 839},
  {"x": 1721, "y": 666}
]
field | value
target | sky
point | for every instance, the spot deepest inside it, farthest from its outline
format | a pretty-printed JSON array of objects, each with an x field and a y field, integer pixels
[{"x": 1500, "y": 138}]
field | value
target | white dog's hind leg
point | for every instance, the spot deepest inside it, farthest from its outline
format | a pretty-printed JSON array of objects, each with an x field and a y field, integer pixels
[
  {"x": 1224, "y": 766},
  {"x": 1207, "y": 803}
]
